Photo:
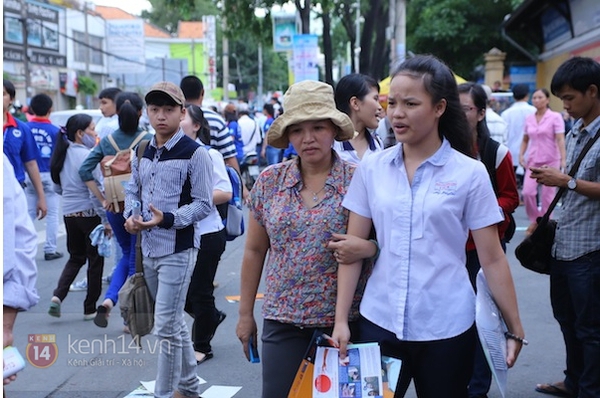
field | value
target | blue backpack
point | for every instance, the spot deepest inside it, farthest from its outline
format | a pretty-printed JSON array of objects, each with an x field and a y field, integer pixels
[
  {"x": 236, "y": 135},
  {"x": 232, "y": 212}
]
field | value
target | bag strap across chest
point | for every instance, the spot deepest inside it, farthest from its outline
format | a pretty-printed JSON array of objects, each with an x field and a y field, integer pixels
[
  {"x": 116, "y": 147},
  {"x": 571, "y": 173},
  {"x": 131, "y": 146}
]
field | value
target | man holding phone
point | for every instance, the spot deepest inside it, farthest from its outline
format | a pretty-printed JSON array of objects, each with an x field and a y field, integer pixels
[{"x": 575, "y": 268}]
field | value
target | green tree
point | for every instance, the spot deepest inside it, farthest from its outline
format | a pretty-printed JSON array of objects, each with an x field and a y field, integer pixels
[
  {"x": 244, "y": 30},
  {"x": 167, "y": 13},
  {"x": 457, "y": 31}
]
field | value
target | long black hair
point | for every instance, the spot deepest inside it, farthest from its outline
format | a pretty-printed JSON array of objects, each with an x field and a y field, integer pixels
[
  {"x": 353, "y": 85},
  {"x": 197, "y": 116},
  {"x": 479, "y": 98},
  {"x": 129, "y": 108},
  {"x": 439, "y": 82},
  {"x": 77, "y": 122}
]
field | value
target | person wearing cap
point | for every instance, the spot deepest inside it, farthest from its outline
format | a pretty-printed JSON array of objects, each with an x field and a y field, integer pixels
[
  {"x": 173, "y": 182},
  {"x": 295, "y": 207}
]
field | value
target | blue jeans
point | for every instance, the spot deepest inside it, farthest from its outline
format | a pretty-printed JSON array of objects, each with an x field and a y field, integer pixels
[
  {"x": 274, "y": 155},
  {"x": 52, "y": 203},
  {"x": 168, "y": 279},
  {"x": 126, "y": 265},
  {"x": 575, "y": 298}
]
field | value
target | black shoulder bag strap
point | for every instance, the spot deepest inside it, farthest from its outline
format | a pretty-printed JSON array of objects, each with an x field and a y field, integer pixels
[
  {"x": 139, "y": 267},
  {"x": 571, "y": 173}
]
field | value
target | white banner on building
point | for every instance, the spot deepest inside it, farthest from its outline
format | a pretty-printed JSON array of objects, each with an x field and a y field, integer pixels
[
  {"x": 210, "y": 36},
  {"x": 125, "y": 43}
]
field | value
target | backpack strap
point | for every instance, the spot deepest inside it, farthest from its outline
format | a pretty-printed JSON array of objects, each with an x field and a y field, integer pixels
[
  {"x": 488, "y": 157},
  {"x": 139, "y": 266},
  {"x": 113, "y": 143},
  {"x": 137, "y": 139},
  {"x": 254, "y": 132}
]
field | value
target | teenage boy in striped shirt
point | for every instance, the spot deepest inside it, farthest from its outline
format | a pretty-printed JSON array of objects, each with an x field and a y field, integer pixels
[{"x": 173, "y": 183}]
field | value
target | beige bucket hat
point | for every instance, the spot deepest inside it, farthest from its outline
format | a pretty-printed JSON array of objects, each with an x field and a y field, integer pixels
[{"x": 308, "y": 100}]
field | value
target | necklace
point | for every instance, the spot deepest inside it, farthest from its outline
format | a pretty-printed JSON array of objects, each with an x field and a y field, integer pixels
[{"x": 315, "y": 196}]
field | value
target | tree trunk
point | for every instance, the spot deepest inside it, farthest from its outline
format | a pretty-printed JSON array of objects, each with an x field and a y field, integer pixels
[
  {"x": 304, "y": 15},
  {"x": 348, "y": 22},
  {"x": 372, "y": 18},
  {"x": 327, "y": 46},
  {"x": 380, "y": 53}
]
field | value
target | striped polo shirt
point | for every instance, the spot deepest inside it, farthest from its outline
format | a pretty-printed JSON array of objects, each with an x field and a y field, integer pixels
[
  {"x": 177, "y": 179},
  {"x": 220, "y": 139}
]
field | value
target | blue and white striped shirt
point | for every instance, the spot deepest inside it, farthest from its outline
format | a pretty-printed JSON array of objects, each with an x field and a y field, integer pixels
[
  {"x": 578, "y": 225},
  {"x": 177, "y": 179},
  {"x": 220, "y": 139}
]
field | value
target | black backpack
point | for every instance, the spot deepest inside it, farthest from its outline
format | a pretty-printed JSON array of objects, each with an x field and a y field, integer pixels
[{"x": 488, "y": 152}]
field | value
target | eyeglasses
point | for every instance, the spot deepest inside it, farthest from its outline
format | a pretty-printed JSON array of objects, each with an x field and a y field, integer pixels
[{"x": 467, "y": 108}]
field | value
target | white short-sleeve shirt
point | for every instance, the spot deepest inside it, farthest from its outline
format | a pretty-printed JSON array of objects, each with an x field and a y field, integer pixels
[
  {"x": 420, "y": 288},
  {"x": 346, "y": 151},
  {"x": 213, "y": 222}
]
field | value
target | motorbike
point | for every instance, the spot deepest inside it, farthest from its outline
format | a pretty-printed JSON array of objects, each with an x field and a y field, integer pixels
[{"x": 249, "y": 169}]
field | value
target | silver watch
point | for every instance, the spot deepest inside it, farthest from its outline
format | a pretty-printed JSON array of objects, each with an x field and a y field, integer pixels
[{"x": 572, "y": 184}]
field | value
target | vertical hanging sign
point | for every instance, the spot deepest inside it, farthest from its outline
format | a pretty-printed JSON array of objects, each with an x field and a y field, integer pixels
[
  {"x": 306, "y": 57},
  {"x": 210, "y": 37},
  {"x": 284, "y": 29}
]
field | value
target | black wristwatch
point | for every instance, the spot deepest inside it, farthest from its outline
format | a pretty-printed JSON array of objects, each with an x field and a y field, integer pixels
[{"x": 572, "y": 184}]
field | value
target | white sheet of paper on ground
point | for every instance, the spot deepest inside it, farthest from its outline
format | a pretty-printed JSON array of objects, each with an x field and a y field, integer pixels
[
  {"x": 139, "y": 392},
  {"x": 221, "y": 392},
  {"x": 491, "y": 328},
  {"x": 149, "y": 385}
]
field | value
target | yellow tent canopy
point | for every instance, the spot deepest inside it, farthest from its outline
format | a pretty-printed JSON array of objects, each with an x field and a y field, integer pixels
[{"x": 384, "y": 88}]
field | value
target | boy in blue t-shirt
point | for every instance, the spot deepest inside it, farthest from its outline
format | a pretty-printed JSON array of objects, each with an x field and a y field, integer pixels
[
  {"x": 45, "y": 134},
  {"x": 20, "y": 149}
]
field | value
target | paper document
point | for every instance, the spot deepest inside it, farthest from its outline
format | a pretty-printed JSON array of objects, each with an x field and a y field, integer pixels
[
  {"x": 358, "y": 375},
  {"x": 363, "y": 373},
  {"x": 491, "y": 329}
]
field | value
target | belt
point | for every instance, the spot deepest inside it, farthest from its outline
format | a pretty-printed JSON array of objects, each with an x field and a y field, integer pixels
[{"x": 85, "y": 213}]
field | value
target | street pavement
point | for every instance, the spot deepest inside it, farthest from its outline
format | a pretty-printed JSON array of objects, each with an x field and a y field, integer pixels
[{"x": 87, "y": 361}]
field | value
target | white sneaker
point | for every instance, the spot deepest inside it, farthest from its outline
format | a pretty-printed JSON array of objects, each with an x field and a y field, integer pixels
[{"x": 79, "y": 286}]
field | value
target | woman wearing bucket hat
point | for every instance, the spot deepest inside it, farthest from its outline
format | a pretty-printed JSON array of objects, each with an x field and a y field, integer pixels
[{"x": 295, "y": 206}]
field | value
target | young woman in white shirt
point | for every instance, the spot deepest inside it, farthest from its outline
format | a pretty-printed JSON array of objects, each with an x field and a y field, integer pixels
[
  {"x": 423, "y": 196},
  {"x": 357, "y": 96},
  {"x": 200, "y": 303}
]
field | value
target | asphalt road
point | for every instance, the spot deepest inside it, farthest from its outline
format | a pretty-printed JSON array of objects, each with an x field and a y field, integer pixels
[{"x": 87, "y": 361}]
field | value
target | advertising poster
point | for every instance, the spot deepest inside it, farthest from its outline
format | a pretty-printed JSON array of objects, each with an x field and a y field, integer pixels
[
  {"x": 284, "y": 29},
  {"x": 306, "y": 57}
]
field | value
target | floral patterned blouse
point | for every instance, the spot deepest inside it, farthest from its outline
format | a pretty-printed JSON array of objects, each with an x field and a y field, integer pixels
[{"x": 301, "y": 273}]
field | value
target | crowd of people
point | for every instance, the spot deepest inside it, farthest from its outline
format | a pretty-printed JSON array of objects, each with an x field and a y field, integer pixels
[{"x": 342, "y": 220}]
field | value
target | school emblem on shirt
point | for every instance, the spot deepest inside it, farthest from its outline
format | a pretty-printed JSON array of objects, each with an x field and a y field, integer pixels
[
  {"x": 445, "y": 187},
  {"x": 17, "y": 133}
]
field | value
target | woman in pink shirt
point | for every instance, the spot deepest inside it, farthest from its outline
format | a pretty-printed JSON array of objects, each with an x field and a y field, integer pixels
[{"x": 543, "y": 145}]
